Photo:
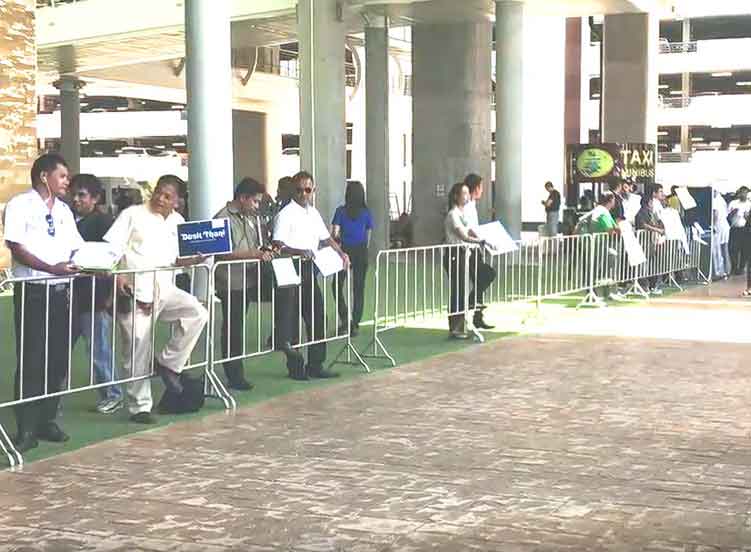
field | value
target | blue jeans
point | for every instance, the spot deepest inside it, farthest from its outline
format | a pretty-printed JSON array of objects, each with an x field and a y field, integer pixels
[{"x": 103, "y": 369}]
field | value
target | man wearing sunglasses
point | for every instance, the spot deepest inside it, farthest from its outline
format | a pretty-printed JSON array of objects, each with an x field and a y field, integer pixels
[
  {"x": 41, "y": 233},
  {"x": 299, "y": 230}
]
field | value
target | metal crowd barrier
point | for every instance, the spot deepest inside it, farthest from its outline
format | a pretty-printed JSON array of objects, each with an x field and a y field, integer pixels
[
  {"x": 67, "y": 383},
  {"x": 257, "y": 295}
]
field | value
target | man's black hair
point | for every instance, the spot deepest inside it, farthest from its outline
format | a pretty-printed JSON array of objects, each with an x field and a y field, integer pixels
[
  {"x": 90, "y": 183},
  {"x": 171, "y": 180},
  {"x": 472, "y": 181},
  {"x": 248, "y": 187},
  {"x": 45, "y": 163}
]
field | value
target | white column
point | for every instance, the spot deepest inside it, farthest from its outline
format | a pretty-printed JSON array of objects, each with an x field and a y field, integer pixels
[
  {"x": 509, "y": 45},
  {"x": 630, "y": 78},
  {"x": 321, "y": 33},
  {"x": 377, "y": 129},
  {"x": 209, "y": 90}
]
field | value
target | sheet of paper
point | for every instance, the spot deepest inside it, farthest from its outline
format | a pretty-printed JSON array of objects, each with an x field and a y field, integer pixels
[
  {"x": 685, "y": 197},
  {"x": 96, "y": 256},
  {"x": 328, "y": 261},
  {"x": 285, "y": 273},
  {"x": 634, "y": 250},
  {"x": 674, "y": 229},
  {"x": 496, "y": 237},
  {"x": 631, "y": 207}
]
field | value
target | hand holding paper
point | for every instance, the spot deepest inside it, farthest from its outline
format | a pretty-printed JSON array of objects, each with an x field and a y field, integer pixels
[
  {"x": 96, "y": 256},
  {"x": 285, "y": 273},
  {"x": 497, "y": 239},
  {"x": 328, "y": 261}
]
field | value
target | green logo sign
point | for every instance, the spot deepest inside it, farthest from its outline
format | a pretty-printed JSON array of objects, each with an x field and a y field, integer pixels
[{"x": 594, "y": 163}]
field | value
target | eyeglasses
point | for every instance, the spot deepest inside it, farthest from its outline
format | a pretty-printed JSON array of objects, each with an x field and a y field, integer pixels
[
  {"x": 50, "y": 225},
  {"x": 307, "y": 190}
]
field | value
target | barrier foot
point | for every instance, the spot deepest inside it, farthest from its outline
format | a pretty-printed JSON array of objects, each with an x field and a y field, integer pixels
[
  {"x": 349, "y": 348},
  {"x": 476, "y": 335},
  {"x": 672, "y": 282},
  {"x": 591, "y": 300},
  {"x": 215, "y": 388},
  {"x": 637, "y": 289},
  {"x": 9, "y": 449},
  {"x": 378, "y": 344}
]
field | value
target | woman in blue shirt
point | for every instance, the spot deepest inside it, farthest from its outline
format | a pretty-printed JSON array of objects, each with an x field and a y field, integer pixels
[{"x": 351, "y": 227}]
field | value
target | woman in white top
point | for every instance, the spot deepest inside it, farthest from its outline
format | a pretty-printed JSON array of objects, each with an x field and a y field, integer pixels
[
  {"x": 458, "y": 233},
  {"x": 720, "y": 252}
]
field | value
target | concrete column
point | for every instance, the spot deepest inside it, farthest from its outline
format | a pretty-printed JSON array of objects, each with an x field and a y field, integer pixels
[
  {"x": 451, "y": 71},
  {"x": 321, "y": 32},
  {"x": 70, "y": 121},
  {"x": 249, "y": 145},
  {"x": 509, "y": 45},
  {"x": 572, "y": 113},
  {"x": 630, "y": 78},
  {"x": 209, "y": 91},
  {"x": 686, "y": 88},
  {"x": 377, "y": 129}
]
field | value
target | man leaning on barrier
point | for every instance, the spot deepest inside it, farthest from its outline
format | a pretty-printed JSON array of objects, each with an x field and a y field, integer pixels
[
  {"x": 41, "y": 234},
  {"x": 147, "y": 234},
  {"x": 299, "y": 230},
  {"x": 239, "y": 284}
]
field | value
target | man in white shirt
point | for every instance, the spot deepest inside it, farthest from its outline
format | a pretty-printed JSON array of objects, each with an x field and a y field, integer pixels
[
  {"x": 299, "y": 230},
  {"x": 721, "y": 228},
  {"x": 147, "y": 234},
  {"x": 477, "y": 267},
  {"x": 738, "y": 212},
  {"x": 41, "y": 233}
]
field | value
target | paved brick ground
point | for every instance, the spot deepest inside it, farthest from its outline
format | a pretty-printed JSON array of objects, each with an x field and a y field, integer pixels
[{"x": 548, "y": 443}]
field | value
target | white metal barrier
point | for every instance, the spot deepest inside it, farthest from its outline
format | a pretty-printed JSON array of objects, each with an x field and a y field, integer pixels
[{"x": 248, "y": 297}]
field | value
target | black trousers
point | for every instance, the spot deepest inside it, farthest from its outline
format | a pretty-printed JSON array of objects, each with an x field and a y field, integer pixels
[
  {"x": 234, "y": 312},
  {"x": 44, "y": 342},
  {"x": 358, "y": 256},
  {"x": 453, "y": 263},
  {"x": 738, "y": 257},
  {"x": 305, "y": 301}
]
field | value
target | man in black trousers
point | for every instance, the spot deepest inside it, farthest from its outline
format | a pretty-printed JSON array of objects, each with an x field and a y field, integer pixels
[
  {"x": 299, "y": 230},
  {"x": 41, "y": 233}
]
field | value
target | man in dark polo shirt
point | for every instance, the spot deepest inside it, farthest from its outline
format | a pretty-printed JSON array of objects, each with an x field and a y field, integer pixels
[{"x": 92, "y": 223}]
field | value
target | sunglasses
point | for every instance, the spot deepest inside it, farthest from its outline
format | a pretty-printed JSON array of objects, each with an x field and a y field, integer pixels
[
  {"x": 50, "y": 225},
  {"x": 307, "y": 190}
]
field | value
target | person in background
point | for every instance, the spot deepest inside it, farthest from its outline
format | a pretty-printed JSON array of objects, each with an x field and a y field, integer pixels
[
  {"x": 674, "y": 202},
  {"x": 477, "y": 267},
  {"x": 457, "y": 233},
  {"x": 351, "y": 227},
  {"x": 147, "y": 234},
  {"x": 237, "y": 285},
  {"x": 587, "y": 201},
  {"x": 300, "y": 231},
  {"x": 721, "y": 228},
  {"x": 647, "y": 219},
  {"x": 41, "y": 233},
  {"x": 603, "y": 222},
  {"x": 552, "y": 209},
  {"x": 93, "y": 224},
  {"x": 739, "y": 210},
  {"x": 616, "y": 187}
]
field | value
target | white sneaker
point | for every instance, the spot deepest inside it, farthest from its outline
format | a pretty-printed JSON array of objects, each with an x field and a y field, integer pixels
[
  {"x": 656, "y": 291},
  {"x": 108, "y": 406},
  {"x": 616, "y": 296}
]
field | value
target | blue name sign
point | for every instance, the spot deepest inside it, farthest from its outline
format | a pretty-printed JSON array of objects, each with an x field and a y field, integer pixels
[{"x": 204, "y": 237}]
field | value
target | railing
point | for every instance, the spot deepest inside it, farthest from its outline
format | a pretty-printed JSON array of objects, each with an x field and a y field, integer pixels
[
  {"x": 48, "y": 324},
  {"x": 675, "y": 103},
  {"x": 678, "y": 47},
  {"x": 675, "y": 156},
  {"x": 55, "y": 3}
]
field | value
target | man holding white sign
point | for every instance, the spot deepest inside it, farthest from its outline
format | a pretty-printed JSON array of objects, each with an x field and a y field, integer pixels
[{"x": 299, "y": 230}]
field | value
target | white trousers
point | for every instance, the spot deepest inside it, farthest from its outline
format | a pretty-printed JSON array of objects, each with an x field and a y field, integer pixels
[{"x": 188, "y": 318}]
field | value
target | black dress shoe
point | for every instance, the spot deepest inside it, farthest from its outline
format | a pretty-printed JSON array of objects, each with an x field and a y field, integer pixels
[
  {"x": 146, "y": 418},
  {"x": 25, "y": 441},
  {"x": 479, "y": 322},
  {"x": 240, "y": 385},
  {"x": 321, "y": 373},
  {"x": 52, "y": 432},
  {"x": 170, "y": 378}
]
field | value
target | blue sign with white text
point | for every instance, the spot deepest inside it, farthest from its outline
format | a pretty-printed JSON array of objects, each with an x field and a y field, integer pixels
[{"x": 204, "y": 237}]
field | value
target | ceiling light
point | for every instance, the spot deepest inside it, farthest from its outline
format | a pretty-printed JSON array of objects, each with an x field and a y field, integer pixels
[
  {"x": 178, "y": 144},
  {"x": 664, "y": 86},
  {"x": 676, "y": 92},
  {"x": 697, "y": 139},
  {"x": 663, "y": 133},
  {"x": 595, "y": 95},
  {"x": 122, "y": 108},
  {"x": 723, "y": 74},
  {"x": 743, "y": 83},
  {"x": 177, "y": 107}
]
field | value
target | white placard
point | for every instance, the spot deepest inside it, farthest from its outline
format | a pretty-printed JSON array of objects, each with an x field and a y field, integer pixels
[
  {"x": 685, "y": 197},
  {"x": 631, "y": 207},
  {"x": 285, "y": 273},
  {"x": 634, "y": 250},
  {"x": 497, "y": 239},
  {"x": 674, "y": 229},
  {"x": 96, "y": 256},
  {"x": 328, "y": 261}
]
